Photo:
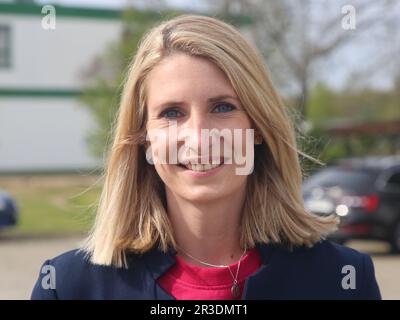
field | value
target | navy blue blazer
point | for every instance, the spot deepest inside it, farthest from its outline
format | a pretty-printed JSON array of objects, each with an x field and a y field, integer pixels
[{"x": 321, "y": 272}]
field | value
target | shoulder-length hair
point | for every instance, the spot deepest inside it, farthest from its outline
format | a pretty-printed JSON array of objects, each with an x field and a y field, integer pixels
[{"x": 132, "y": 213}]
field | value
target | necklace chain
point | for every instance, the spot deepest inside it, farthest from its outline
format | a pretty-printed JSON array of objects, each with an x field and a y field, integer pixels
[
  {"x": 209, "y": 264},
  {"x": 235, "y": 287}
]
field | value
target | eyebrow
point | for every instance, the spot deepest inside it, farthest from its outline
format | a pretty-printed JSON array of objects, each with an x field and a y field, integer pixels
[{"x": 209, "y": 100}]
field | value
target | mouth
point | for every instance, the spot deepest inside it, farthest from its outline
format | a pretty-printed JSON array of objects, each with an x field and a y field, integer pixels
[{"x": 195, "y": 167}]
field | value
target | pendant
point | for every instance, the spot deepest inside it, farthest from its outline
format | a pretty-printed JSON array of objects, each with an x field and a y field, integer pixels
[{"x": 235, "y": 290}]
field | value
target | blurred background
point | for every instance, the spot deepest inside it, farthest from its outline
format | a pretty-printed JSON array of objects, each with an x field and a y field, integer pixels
[{"x": 335, "y": 63}]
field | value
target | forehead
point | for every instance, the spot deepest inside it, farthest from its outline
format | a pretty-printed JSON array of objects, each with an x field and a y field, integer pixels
[{"x": 185, "y": 77}]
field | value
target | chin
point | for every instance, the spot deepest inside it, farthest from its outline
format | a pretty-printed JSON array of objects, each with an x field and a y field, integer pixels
[{"x": 205, "y": 193}]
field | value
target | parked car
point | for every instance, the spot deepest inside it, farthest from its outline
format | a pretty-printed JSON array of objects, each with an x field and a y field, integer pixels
[
  {"x": 8, "y": 210},
  {"x": 364, "y": 193}
]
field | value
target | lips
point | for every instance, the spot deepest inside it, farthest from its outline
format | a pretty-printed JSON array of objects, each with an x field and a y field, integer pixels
[
  {"x": 197, "y": 167},
  {"x": 202, "y": 167}
]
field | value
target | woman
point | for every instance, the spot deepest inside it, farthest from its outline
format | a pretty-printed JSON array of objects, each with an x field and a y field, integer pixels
[{"x": 200, "y": 225}]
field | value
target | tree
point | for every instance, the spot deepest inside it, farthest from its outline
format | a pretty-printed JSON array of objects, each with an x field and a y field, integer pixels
[
  {"x": 106, "y": 74},
  {"x": 296, "y": 37}
]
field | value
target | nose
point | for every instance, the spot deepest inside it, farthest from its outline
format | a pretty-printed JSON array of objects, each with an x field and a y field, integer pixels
[{"x": 194, "y": 133}]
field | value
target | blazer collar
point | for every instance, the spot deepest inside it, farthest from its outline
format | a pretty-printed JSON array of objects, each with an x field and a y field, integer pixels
[{"x": 159, "y": 262}]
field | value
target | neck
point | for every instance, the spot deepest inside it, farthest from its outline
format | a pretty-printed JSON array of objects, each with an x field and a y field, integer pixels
[{"x": 208, "y": 231}]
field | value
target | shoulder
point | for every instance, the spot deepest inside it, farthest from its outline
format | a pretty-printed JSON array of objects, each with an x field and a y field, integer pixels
[
  {"x": 71, "y": 275},
  {"x": 322, "y": 251},
  {"x": 53, "y": 273},
  {"x": 327, "y": 268},
  {"x": 332, "y": 252},
  {"x": 74, "y": 262}
]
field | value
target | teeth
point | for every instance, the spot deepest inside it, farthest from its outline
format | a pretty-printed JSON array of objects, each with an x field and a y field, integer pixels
[{"x": 201, "y": 167}]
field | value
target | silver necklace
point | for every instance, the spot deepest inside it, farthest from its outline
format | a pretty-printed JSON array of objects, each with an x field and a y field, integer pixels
[{"x": 235, "y": 289}]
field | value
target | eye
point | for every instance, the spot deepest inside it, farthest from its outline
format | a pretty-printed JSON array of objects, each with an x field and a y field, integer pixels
[
  {"x": 171, "y": 113},
  {"x": 223, "y": 107}
]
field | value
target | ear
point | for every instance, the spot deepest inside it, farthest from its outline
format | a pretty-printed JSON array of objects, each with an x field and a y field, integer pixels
[{"x": 258, "y": 139}]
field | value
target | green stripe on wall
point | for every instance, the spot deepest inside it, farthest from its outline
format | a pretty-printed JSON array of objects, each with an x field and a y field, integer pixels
[
  {"x": 40, "y": 93},
  {"x": 34, "y": 9},
  {"x": 96, "y": 13}
]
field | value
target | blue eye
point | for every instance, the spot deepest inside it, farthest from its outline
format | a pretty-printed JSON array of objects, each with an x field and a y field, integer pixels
[
  {"x": 219, "y": 108},
  {"x": 223, "y": 107},
  {"x": 171, "y": 113}
]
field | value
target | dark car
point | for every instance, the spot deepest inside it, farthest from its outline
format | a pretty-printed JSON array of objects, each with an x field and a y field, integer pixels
[
  {"x": 364, "y": 193},
  {"x": 8, "y": 210}
]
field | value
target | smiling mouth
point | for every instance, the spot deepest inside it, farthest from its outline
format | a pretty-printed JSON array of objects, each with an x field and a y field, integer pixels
[{"x": 200, "y": 167}]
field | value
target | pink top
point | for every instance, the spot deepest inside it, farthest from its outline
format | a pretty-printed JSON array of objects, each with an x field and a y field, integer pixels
[{"x": 186, "y": 281}]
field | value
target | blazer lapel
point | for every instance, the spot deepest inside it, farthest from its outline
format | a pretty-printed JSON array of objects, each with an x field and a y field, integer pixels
[
  {"x": 158, "y": 262},
  {"x": 262, "y": 284}
]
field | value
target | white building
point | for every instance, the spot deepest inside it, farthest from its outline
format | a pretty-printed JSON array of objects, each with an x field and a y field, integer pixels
[{"x": 42, "y": 124}]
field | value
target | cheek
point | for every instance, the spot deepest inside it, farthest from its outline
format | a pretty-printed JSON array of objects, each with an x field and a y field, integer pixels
[
  {"x": 168, "y": 175},
  {"x": 160, "y": 144},
  {"x": 240, "y": 145}
]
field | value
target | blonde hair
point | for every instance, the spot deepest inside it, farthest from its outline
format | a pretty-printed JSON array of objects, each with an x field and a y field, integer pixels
[{"x": 131, "y": 215}]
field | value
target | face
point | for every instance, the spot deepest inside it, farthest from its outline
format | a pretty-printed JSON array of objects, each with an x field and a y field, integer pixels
[{"x": 186, "y": 96}]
